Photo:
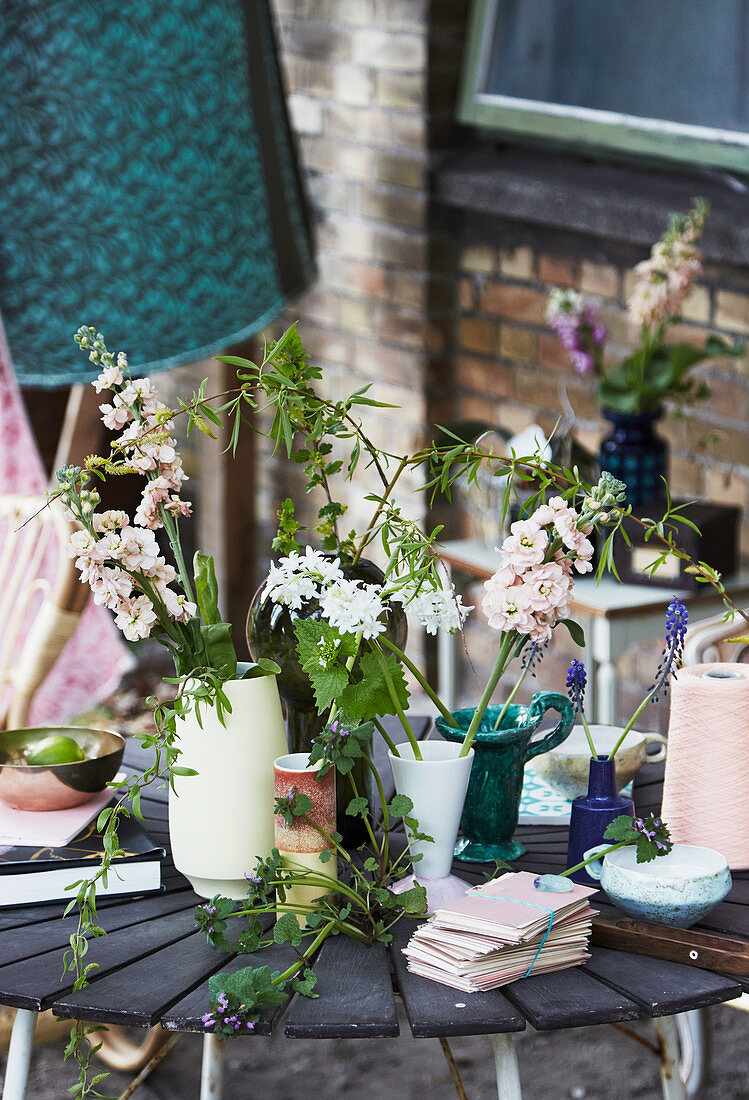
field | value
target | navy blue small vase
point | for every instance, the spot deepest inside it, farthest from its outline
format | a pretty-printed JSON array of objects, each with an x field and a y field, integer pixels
[
  {"x": 592, "y": 814},
  {"x": 633, "y": 453}
]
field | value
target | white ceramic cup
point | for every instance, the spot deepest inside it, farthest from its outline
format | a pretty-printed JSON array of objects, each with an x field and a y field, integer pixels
[
  {"x": 437, "y": 787},
  {"x": 565, "y": 768},
  {"x": 677, "y": 889}
]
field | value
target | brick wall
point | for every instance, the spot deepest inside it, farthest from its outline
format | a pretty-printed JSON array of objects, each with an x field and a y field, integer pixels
[
  {"x": 371, "y": 86},
  {"x": 443, "y": 313},
  {"x": 511, "y": 369}
]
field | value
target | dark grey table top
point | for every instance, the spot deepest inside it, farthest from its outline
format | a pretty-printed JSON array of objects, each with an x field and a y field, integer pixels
[{"x": 154, "y": 965}]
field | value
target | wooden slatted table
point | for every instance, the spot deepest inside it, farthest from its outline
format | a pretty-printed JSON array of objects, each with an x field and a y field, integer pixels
[{"x": 154, "y": 968}]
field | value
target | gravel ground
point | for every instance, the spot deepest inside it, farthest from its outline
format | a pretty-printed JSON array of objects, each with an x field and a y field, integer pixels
[{"x": 583, "y": 1064}]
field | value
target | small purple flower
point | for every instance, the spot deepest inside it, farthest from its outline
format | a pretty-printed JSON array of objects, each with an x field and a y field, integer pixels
[
  {"x": 583, "y": 362},
  {"x": 207, "y": 1019},
  {"x": 577, "y": 679},
  {"x": 222, "y": 1001}
]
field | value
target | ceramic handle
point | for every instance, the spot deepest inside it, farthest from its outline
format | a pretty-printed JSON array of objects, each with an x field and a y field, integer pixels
[
  {"x": 540, "y": 703},
  {"x": 595, "y": 869},
  {"x": 656, "y": 757}
]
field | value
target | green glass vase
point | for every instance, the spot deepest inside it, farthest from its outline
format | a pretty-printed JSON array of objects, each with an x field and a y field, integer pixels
[{"x": 492, "y": 805}]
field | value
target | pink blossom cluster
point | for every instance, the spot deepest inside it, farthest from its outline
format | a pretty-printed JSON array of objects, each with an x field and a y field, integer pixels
[
  {"x": 147, "y": 444},
  {"x": 120, "y": 560},
  {"x": 115, "y": 559},
  {"x": 530, "y": 591},
  {"x": 665, "y": 279}
]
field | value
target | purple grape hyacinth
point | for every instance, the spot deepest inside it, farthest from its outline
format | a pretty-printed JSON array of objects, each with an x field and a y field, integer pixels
[
  {"x": 677, "y": 619},
  {"x": 577, "y": 680}
]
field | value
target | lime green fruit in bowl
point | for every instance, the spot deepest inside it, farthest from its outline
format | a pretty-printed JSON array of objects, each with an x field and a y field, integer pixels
[
  {"x": 56, "y": 767},
  {"x": 56, "y": 750}
]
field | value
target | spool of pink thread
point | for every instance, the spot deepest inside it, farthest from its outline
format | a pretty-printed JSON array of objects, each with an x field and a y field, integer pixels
[{"x": 706, "y": 787}]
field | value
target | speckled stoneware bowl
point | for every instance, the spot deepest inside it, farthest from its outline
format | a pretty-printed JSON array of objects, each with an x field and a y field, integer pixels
[
  {"x": 565, "y": 768},
  {"x": 56, "y": 786},
  {"x": 678, "y": 889}
]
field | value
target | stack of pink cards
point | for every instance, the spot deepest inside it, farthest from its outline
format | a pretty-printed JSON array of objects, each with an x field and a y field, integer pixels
[{"x": 501, "y": 931}]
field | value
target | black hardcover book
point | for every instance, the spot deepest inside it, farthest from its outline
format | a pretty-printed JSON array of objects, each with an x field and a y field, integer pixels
[{"x": 30, "y": 875}]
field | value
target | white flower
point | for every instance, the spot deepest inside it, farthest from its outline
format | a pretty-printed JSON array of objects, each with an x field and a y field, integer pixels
[
  {"x": 289, "y": 589},
  {"x": 354, "y": 607},
  {"x": 81, "y": 543},
  {"x": 110, "y": 520},
  {"x": 436, "y": 609},
  {"x": 136, "y": 618},
  {"x": 298, "y": 577}
]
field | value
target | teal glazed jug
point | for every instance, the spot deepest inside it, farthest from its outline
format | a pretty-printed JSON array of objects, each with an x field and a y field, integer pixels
[{"x": 492, "y": 805}]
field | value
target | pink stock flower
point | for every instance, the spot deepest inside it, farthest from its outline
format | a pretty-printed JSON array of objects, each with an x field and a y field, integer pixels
[
  {"x": 177, "y": 605},
  {"x": 507, "y": 608},
  {"x": 111, "y": 587},
  {"x": 154, "y": 494},
  {"x": 139, "y": 550},
  {"x": 546, "y": 587},
  {"x": 116, "y": 415},
  {"x": 178, "y": 507},
  {"x": 162, "y": 572},
  {"x": 80, "y": 543},
  {"x": 135, "y": 618},
  {"x": 543, "y": 514},
  {"x": 109, "y": 378},
  {"x": 526, "y": 544},
  {"x": 565, "y": 524}
]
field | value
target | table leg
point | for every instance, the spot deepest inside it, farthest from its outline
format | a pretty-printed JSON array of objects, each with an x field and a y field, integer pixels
[
  {"x": 212, "y": 1072},
  {"x": 694, "y": 1049},
  {"x": 668, "y": 1034},
  {"x": 604, "y": 672},
  {"x": 506, "y": 1066},
  {"x": 19, "y": 1054},
  {"x": 447, "y": 652}
]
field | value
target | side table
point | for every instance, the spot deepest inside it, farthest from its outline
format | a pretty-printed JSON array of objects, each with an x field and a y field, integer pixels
[{"x": 615, "y": 617}]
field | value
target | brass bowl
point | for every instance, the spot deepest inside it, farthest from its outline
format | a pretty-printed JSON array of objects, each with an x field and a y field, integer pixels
[{"x": 56, "y": 786}]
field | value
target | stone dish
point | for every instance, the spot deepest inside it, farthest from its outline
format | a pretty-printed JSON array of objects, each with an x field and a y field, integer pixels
[
  {"x": 565, "y": 767},
  {"x": 678, "y": 889}
]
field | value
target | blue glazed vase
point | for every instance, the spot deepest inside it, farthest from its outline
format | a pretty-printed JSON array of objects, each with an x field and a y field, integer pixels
[
  {"x": 633, "y": 453},
  {"x": 593, "y": 813}
]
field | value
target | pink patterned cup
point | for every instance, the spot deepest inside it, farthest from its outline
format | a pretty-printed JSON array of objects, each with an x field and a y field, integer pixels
[{"x": 300, "y": 844}]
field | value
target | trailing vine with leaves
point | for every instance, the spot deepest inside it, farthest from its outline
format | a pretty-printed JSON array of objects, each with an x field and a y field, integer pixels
[{"x": 314, "y": 432}]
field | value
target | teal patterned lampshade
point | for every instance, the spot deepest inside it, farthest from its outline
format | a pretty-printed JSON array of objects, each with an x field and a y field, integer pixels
[{"x": 148, "y": 181}]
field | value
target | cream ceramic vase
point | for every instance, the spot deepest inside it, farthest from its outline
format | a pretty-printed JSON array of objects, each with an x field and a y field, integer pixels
[
  {"x": 221, "y": 820},
  {"x": 565, "y": 767}
]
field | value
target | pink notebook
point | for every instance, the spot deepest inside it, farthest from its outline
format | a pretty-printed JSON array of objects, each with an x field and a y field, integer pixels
[
  {"x": 53, "y": 828},
  {"x": 511, "y": 908}
]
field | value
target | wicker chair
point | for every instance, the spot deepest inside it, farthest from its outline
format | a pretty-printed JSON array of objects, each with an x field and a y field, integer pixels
[
  {"x": 46, "y": 610},
  {"x": 41, "y": 602}
]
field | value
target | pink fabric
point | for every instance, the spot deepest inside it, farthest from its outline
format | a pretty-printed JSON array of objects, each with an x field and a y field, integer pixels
[{"x": 93, "y": 661}]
